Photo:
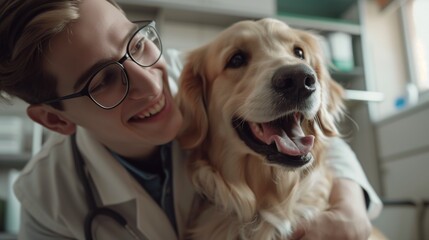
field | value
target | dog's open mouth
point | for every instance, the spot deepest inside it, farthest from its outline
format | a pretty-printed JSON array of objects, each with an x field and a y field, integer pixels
[{"x": 282, "y": 141}]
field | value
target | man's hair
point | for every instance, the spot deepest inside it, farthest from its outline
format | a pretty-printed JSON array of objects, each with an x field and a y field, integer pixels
[{"x": 26, "y": 28}]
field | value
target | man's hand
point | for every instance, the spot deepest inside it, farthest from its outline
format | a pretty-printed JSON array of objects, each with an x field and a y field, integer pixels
[{"x": 345, "y": 220}]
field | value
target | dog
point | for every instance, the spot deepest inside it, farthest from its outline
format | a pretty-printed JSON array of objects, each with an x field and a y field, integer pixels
[{"x": 259, "y": 105}]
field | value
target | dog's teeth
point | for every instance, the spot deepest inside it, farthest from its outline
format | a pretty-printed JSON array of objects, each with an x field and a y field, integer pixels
[
  {"x": 258, "y": 132},
  {"x": 256, "y": 129}
]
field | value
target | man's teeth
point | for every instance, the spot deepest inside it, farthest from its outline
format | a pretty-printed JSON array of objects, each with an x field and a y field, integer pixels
[{"x": 152, "y": 111}]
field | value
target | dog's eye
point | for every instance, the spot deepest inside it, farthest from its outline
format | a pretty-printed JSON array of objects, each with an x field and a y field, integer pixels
[
  {"x": 299, "y": 52},
  {"x": 237, "y": 60}
]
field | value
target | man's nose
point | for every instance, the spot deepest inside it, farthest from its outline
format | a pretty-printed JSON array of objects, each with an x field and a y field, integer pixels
[{"x": 145, "y": 82}]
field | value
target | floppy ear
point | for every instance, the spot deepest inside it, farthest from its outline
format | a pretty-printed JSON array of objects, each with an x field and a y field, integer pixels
[
  {"x": 50, "y": 118},
  {"x": 335, "y": 103},
  {"x": 332, "y": 107},
  {"x": 190, "y": 99}
]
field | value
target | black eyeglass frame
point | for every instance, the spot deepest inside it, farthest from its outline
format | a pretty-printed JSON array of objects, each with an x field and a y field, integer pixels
[{"x": 85, "y": 89}]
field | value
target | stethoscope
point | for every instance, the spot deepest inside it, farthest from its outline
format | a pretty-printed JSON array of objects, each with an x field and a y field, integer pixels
[{"x": 94, "y": 210}]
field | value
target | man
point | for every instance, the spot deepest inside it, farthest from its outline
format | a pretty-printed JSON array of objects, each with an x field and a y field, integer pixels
[{"x": 98, "y": 81}]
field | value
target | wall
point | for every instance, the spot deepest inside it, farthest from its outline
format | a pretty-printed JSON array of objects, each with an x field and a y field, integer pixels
[
  {"x": 186, "y": 36},
  {"x": 387, "y": 59}
]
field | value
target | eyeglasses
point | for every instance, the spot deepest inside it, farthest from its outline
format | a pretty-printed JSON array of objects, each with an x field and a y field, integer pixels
[{"x": 108, "y": 86}]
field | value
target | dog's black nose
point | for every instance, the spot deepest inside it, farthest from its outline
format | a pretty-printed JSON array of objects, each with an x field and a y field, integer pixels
[{"x": 295, "y": 80}]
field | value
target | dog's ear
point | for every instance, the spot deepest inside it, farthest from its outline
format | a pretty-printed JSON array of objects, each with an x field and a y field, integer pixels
[
  {"x": 190, "y": 99},
  {"x": 335, "y": 104},
  {"x": 332, "y": 109}
]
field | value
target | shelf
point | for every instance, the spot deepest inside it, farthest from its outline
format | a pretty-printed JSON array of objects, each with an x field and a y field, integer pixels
[
  {"x": 368, "y": 96},
  {"x": 215, "y": 18},
  {"x": 216, "y": 12},
  {"x": 358, "y": 98},
  {"x": 357, "y": 72},
  {"x": 325, "y": 8},
  {"x": 8, "y": 236},
  {"x": 326, "y": 15},
  {"x": 320, "y": 24},
  {"x": 14, "y": 160}
]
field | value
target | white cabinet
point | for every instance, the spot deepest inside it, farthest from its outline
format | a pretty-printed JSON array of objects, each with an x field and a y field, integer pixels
[
  {"x": 399, "y": 222},
  {"x": 12, "y": 161},
  {"x": 17, "y": 110},
  {"x": 403, "y": 142}
]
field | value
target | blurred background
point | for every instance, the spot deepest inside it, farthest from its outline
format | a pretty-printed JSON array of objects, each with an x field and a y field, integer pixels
[{"x": 378, "y": 50}]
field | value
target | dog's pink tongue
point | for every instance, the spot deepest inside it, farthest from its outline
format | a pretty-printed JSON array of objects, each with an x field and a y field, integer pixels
[{"x": 294, "y": 144}]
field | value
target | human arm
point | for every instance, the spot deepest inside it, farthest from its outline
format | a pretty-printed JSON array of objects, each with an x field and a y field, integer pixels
[
  {"x": 348, "y": 217},
  {"x": 344, "y": 164}
]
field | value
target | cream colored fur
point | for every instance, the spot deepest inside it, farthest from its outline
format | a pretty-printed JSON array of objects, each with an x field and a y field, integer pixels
[{"x": 246, "y": 197}]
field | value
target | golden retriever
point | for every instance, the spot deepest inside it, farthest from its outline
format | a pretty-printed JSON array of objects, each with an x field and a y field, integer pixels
[{"x": 258, "y": 103}]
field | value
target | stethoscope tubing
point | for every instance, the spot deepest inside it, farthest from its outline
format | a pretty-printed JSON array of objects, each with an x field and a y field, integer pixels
[{"x": 94, "y": 211}]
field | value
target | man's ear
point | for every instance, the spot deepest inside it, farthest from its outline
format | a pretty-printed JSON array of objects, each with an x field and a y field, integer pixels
[{"x": 51, "y": 119}]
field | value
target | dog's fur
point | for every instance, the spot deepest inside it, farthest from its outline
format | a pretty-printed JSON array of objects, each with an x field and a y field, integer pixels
[{"x": 243, "y": 74}]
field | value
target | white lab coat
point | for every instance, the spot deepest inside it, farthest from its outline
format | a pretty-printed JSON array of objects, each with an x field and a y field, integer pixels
[{"x": 53, "y": 201}]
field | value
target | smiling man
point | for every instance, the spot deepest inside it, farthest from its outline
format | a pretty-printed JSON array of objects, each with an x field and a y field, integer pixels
[{"x": 105, "y": 82}]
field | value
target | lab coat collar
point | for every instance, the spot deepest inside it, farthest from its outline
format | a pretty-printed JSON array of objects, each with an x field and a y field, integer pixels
[
  {"x": 120, "y": 186},
  {"x": 183, "y": 190}
]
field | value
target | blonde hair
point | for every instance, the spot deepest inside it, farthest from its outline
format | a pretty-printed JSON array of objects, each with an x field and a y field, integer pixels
[{"x": 26, "y": 27}]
